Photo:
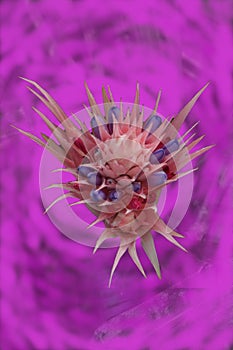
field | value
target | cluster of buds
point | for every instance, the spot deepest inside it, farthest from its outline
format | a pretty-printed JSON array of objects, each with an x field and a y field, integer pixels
[{"x": 120, "y": 163}]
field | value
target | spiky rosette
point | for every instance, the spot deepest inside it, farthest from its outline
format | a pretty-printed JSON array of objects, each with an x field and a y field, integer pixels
[{"x": 120, "y": 164}]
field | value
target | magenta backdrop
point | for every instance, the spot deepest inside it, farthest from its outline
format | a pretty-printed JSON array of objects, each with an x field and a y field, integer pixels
[{"x": 54, "y": 293}]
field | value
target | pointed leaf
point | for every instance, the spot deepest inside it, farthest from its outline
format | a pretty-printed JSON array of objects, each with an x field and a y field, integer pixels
[
  {"x": 66, "y": 195},
  {"x": 176, "y": 123},
  {"x": 167, "y": 232},
  {"x": 92, "y": 101},
  {"x": 157, "y": 102},
  {"x": 195, "y": 142},
  {"x": 180, "y": 118},
  {"x": 149, "y": 247},
  {"x": 32, "y": 137},
  {"x": 199, "y": 152},
  {"x": 189, "y": 130},
  {"x": 50, "y": 103},
  {"x": 120, "y": 253},
  {"x": 107, "y": 233},
  {"x": 133, "y": 253},
  {"x": 135, "y": 110}
]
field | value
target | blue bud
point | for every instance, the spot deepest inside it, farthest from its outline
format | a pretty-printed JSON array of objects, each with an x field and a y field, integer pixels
[
  {"x": 157, "y": 156},
  {"x": 95, "y": 127},
  {"x": 153, "y": 120},
  {"x": 171, "y": 146},
  {"x": 136, "y": 186},
  {"x": 157, "y": 178},
  {"x": 97, "y": 196},
  {"x": 113, "y": 195},
  {"x": 85, "y": 170},
  {"x": 112, "y": 111},
  {"x": 95, "y": 178}
]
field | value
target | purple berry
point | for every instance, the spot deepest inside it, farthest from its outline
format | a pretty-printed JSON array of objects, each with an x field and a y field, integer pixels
[
  {"x": 85, "y": 170},
  {"x": 95, "y": 178},
  {"x": 154, "y": 121},
  {"x": 136, "y": 186},
  {"x": 97, "y": 196},
  {"x": 113, "y": 195},
  {"x": 157, "y": 178},
  {"x": 157, "y": 156},
  {"x": 95, "y": 127},
  {"x": 171, "y": 146}
]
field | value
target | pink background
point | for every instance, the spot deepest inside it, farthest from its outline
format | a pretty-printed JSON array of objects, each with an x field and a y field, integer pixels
[{"x": 54, "y": 293}]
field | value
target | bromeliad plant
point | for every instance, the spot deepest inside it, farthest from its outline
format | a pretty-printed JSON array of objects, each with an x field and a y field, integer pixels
[{"x": 120, "y": 164}]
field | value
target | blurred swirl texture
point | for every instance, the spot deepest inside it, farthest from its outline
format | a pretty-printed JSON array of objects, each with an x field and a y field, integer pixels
[{"x": 54, "y": 293}]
